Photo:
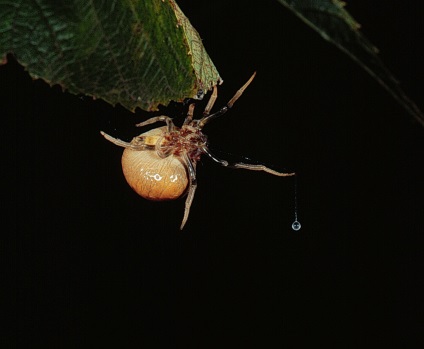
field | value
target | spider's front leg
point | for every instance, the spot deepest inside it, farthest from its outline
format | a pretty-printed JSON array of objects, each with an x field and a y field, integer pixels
[
  {"x": 206, "y": 117},
  {"x": 252, "y": 167},
  {"x": 139, "y": 144},
  {"x": 255, "y": 167},
  {"x": 190, "y": 113},
  {"x": 191, "y": 166},
  {"x": 162, "y": 118}
]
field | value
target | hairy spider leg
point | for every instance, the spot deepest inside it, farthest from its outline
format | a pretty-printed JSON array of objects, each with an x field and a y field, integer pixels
[
  {"x": 162, "y": 118},
  {"x": 207, "y": 117},
  {"x": 139, "y": 146},
  {"x": 255, "y": 167},
  {"x": 211, "y": 101},
  {"x": 252, "y": 167},
  {"x": 191, "y": 165},
  {"x": 190, "y": 114}
]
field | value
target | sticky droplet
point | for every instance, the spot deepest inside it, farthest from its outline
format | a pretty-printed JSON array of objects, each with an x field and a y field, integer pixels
[{"x": 296, "y": 226}]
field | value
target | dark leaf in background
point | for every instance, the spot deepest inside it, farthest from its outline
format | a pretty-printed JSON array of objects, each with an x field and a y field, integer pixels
[{"x": 336, "y": 25}]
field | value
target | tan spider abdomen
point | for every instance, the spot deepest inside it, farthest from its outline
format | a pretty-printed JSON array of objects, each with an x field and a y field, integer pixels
[{"x": 153, "y": 177}]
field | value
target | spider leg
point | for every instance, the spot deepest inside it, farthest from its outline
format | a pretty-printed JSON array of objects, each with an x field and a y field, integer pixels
[
  {"x": 255, "y": 167},
  {"x": 252, "y": 167},
  {"x": 137, "y": 146},
  {"x": 189, "y": 114},
  {"x": 207, "y": 117},
  {"x": 162, "y": 118},
  {"x": 191, "y": 189},
  {"x": 211, "y": 101},
  {"x": 213, "y": 157}
]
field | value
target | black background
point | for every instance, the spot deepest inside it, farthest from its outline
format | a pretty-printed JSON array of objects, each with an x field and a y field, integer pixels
[{"x": 89, "y": 263}]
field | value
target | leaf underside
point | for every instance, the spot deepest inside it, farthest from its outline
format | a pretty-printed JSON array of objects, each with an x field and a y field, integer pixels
[
  {"x": 142, "y": 53},
  {"x": 334, "y": 24},
  {"x": 134, "y": 52}
]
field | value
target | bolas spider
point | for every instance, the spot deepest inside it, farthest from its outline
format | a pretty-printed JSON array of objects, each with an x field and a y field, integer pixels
[{"x": 160, "y": 164}]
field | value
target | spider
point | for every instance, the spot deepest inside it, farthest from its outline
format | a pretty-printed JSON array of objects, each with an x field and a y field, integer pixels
[{"x": 160, "y": 164}]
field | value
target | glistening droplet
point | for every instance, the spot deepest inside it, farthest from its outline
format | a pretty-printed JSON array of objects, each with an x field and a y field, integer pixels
[{"x": 296, "y": 226}]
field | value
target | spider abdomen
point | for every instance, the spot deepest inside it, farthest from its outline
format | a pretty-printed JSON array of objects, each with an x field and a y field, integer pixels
[{"x": 152, "y": 177}]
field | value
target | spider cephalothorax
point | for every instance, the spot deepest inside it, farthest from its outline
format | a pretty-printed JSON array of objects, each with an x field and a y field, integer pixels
[
  {"x": 185, "y": 140},
  {"x": 160, "y": 164}
]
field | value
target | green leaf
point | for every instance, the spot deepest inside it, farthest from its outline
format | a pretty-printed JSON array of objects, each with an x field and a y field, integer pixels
[
  {"x": 336, "y": 25},
  {"x": 139, "y": 53}
]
